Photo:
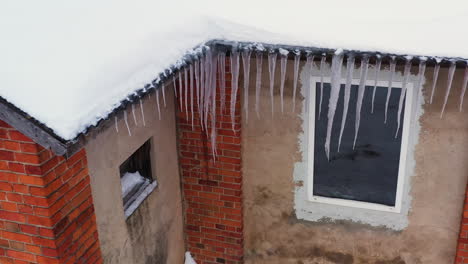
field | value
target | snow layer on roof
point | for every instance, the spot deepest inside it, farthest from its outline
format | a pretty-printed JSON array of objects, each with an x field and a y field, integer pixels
[{"x": 70, "y": 63}]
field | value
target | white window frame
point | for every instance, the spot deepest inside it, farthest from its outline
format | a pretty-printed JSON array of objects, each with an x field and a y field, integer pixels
[{"x": 403, "y": 153}]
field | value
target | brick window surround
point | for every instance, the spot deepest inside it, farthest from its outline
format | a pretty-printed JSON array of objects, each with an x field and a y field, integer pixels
[
  {"x": 46, "y": 208},
  {"x": 212, "y": 190}
]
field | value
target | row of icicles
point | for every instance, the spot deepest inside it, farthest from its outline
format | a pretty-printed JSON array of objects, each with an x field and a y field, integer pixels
[{"x": 200, "y": 78}]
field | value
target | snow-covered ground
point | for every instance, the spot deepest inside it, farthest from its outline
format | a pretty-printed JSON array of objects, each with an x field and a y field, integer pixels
[{"x": 69, "y": 64}]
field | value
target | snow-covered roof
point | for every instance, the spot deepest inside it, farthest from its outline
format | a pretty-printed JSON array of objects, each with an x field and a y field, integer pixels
[{"x": 68, "y": 64}]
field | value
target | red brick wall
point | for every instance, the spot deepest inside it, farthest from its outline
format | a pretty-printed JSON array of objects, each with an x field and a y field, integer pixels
[
  {"x": 46, "y": 208},
  {"x": 462, "y": 249},
  {"x": 212, "y": 190}
]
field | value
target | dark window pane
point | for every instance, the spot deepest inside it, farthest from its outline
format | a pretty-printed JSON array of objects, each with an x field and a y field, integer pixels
[{"x": 369, "y": 173}]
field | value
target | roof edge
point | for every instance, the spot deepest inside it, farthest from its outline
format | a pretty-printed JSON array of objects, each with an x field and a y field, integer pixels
[
  {"x": 32, "y": 128},
  {"x": 46, "y": 137}
]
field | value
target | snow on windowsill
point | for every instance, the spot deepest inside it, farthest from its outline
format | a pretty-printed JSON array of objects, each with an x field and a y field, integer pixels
[{"x": 130, "y": 182}]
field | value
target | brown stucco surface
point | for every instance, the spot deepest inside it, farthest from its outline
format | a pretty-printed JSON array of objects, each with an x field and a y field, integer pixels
[
  {"x": 154, "y": 233},
  {"x": 273, "y": 234}
]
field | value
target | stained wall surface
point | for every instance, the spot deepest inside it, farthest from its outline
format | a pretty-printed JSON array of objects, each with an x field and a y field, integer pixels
[
  {"x": 154, "y": 232},
  {"x": 272, "y": 149}
]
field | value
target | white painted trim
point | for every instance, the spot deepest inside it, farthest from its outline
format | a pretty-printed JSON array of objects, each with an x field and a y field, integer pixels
[{"x": 403, "y": 153}]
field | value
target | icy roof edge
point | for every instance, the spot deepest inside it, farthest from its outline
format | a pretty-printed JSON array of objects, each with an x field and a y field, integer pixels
[{"x": 46, "y": 137}]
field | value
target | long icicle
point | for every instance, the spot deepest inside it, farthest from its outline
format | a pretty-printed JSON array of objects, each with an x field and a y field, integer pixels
[
  {"x": 376, "y": 79},
  {"x": 309, "y": 65},
  {"x": 271, "y": 69},
  {"x": 180, "y": 93},
  {"x": 451, "y": 72},
  {"x": 258, "y": 81},
  {"x": 197, "y": 83},
  {"x": 284, "y": 63},
  {"x": 186, "y": 91},
  {"x": 208, "y": 80},
  {"x": 406, "y": 75},
  {"x": 347, "y": 94},
  {"x": 337, "y": 62},
  {"x": 157, "y": 103},
  {"x": 126, "y": 123},
  {"x": 142, "y": 113},
  {"x": 390, "y": 84},
  {"x": 222, "y": 78},
  {"x": 202, "y": 91},
  {"x": 191, "y": 93},
  {"x": 421, "y": 71},
  {"x": 322, "y": 73},
  {"x": 361, "y": 90},
  {"x": 435, "y": 76},
  {"x": 163, "y": 88},
  {"x": 213, "y": 105},
  {"x": 234, "y": 84},
  {"x": 133, "y": 113},
  {"x": 116, "y": 125},
  {"x": 297, "y": 60},
  {"x": 174, "y": 86},
  {"x": 246, "y": 65},
  {"x": 465, "y": 82}
]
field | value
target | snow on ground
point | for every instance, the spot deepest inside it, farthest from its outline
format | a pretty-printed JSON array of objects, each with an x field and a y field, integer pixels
[
  {"x": 189, "y": 259},
  {"x": 69, "y": 64}
]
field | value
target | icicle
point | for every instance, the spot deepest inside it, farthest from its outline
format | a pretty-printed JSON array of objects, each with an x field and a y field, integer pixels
[
  {"x": 116, "y": 125},
  {"x": 202, "y": 91},
  {"x": 271, "y": 70},
  {"x": 186, "y": 91},
  {"x": 157, "y": 103},
  {"x": 347, "y": 94},
  {"x": 421, "y": 71},
  {"x": 142, "y": 113},
  {"x": 451, "y": 72},
  {"x": 180, "y": 92},
  {"x": 297, "y": 60},
  {"x": 434, "y": 78},
  {"x": 322, "y": 73},
  {"x": 361, "y": 90},
  {"x": 406, "y": 75},
  {"x": 390, "y": 83},
  {"x": 283, "y": 62},
  {"x": 258, "y": 81},
  {"x": 246, "y": 64},
  {"x": 175, "y": 86},
  {"x": 337, "y": 62},
  {"x": 376, "y": 79},
  {"x": 164, "y": 94},
  {"x": 465, "y": 82},
  {"x": 191, "y": 91},
  {"x": 197, "y": 83},
  {"x": 234, "y": 83},
  {"x": 208, "y": 92},
  {"x": 126, "y": 123},
  {"x": 309, "y": 65},
  {"x": 133, "y": 113},
  {"x": 213, "y": 105},
  {"x": 222, "y": 81}
]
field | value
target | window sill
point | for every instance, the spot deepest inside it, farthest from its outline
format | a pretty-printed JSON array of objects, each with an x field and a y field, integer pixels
[{"x": 134, "y": 202}]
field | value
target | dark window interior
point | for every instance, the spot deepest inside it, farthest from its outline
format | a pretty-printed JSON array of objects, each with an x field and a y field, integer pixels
[
  {"x": 140, "y": 161},
  {"x": 369, "y": 173}
]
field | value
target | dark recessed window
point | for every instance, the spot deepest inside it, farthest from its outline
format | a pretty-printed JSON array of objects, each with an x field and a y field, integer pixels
[
  {"x": 368, "y": 175},
  {"x": 136, "y": 178}
]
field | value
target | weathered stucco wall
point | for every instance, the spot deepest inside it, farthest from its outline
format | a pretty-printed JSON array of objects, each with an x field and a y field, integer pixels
[
  {"x": 154, "y": 233},
  {"x": 271, "y": 150}
]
